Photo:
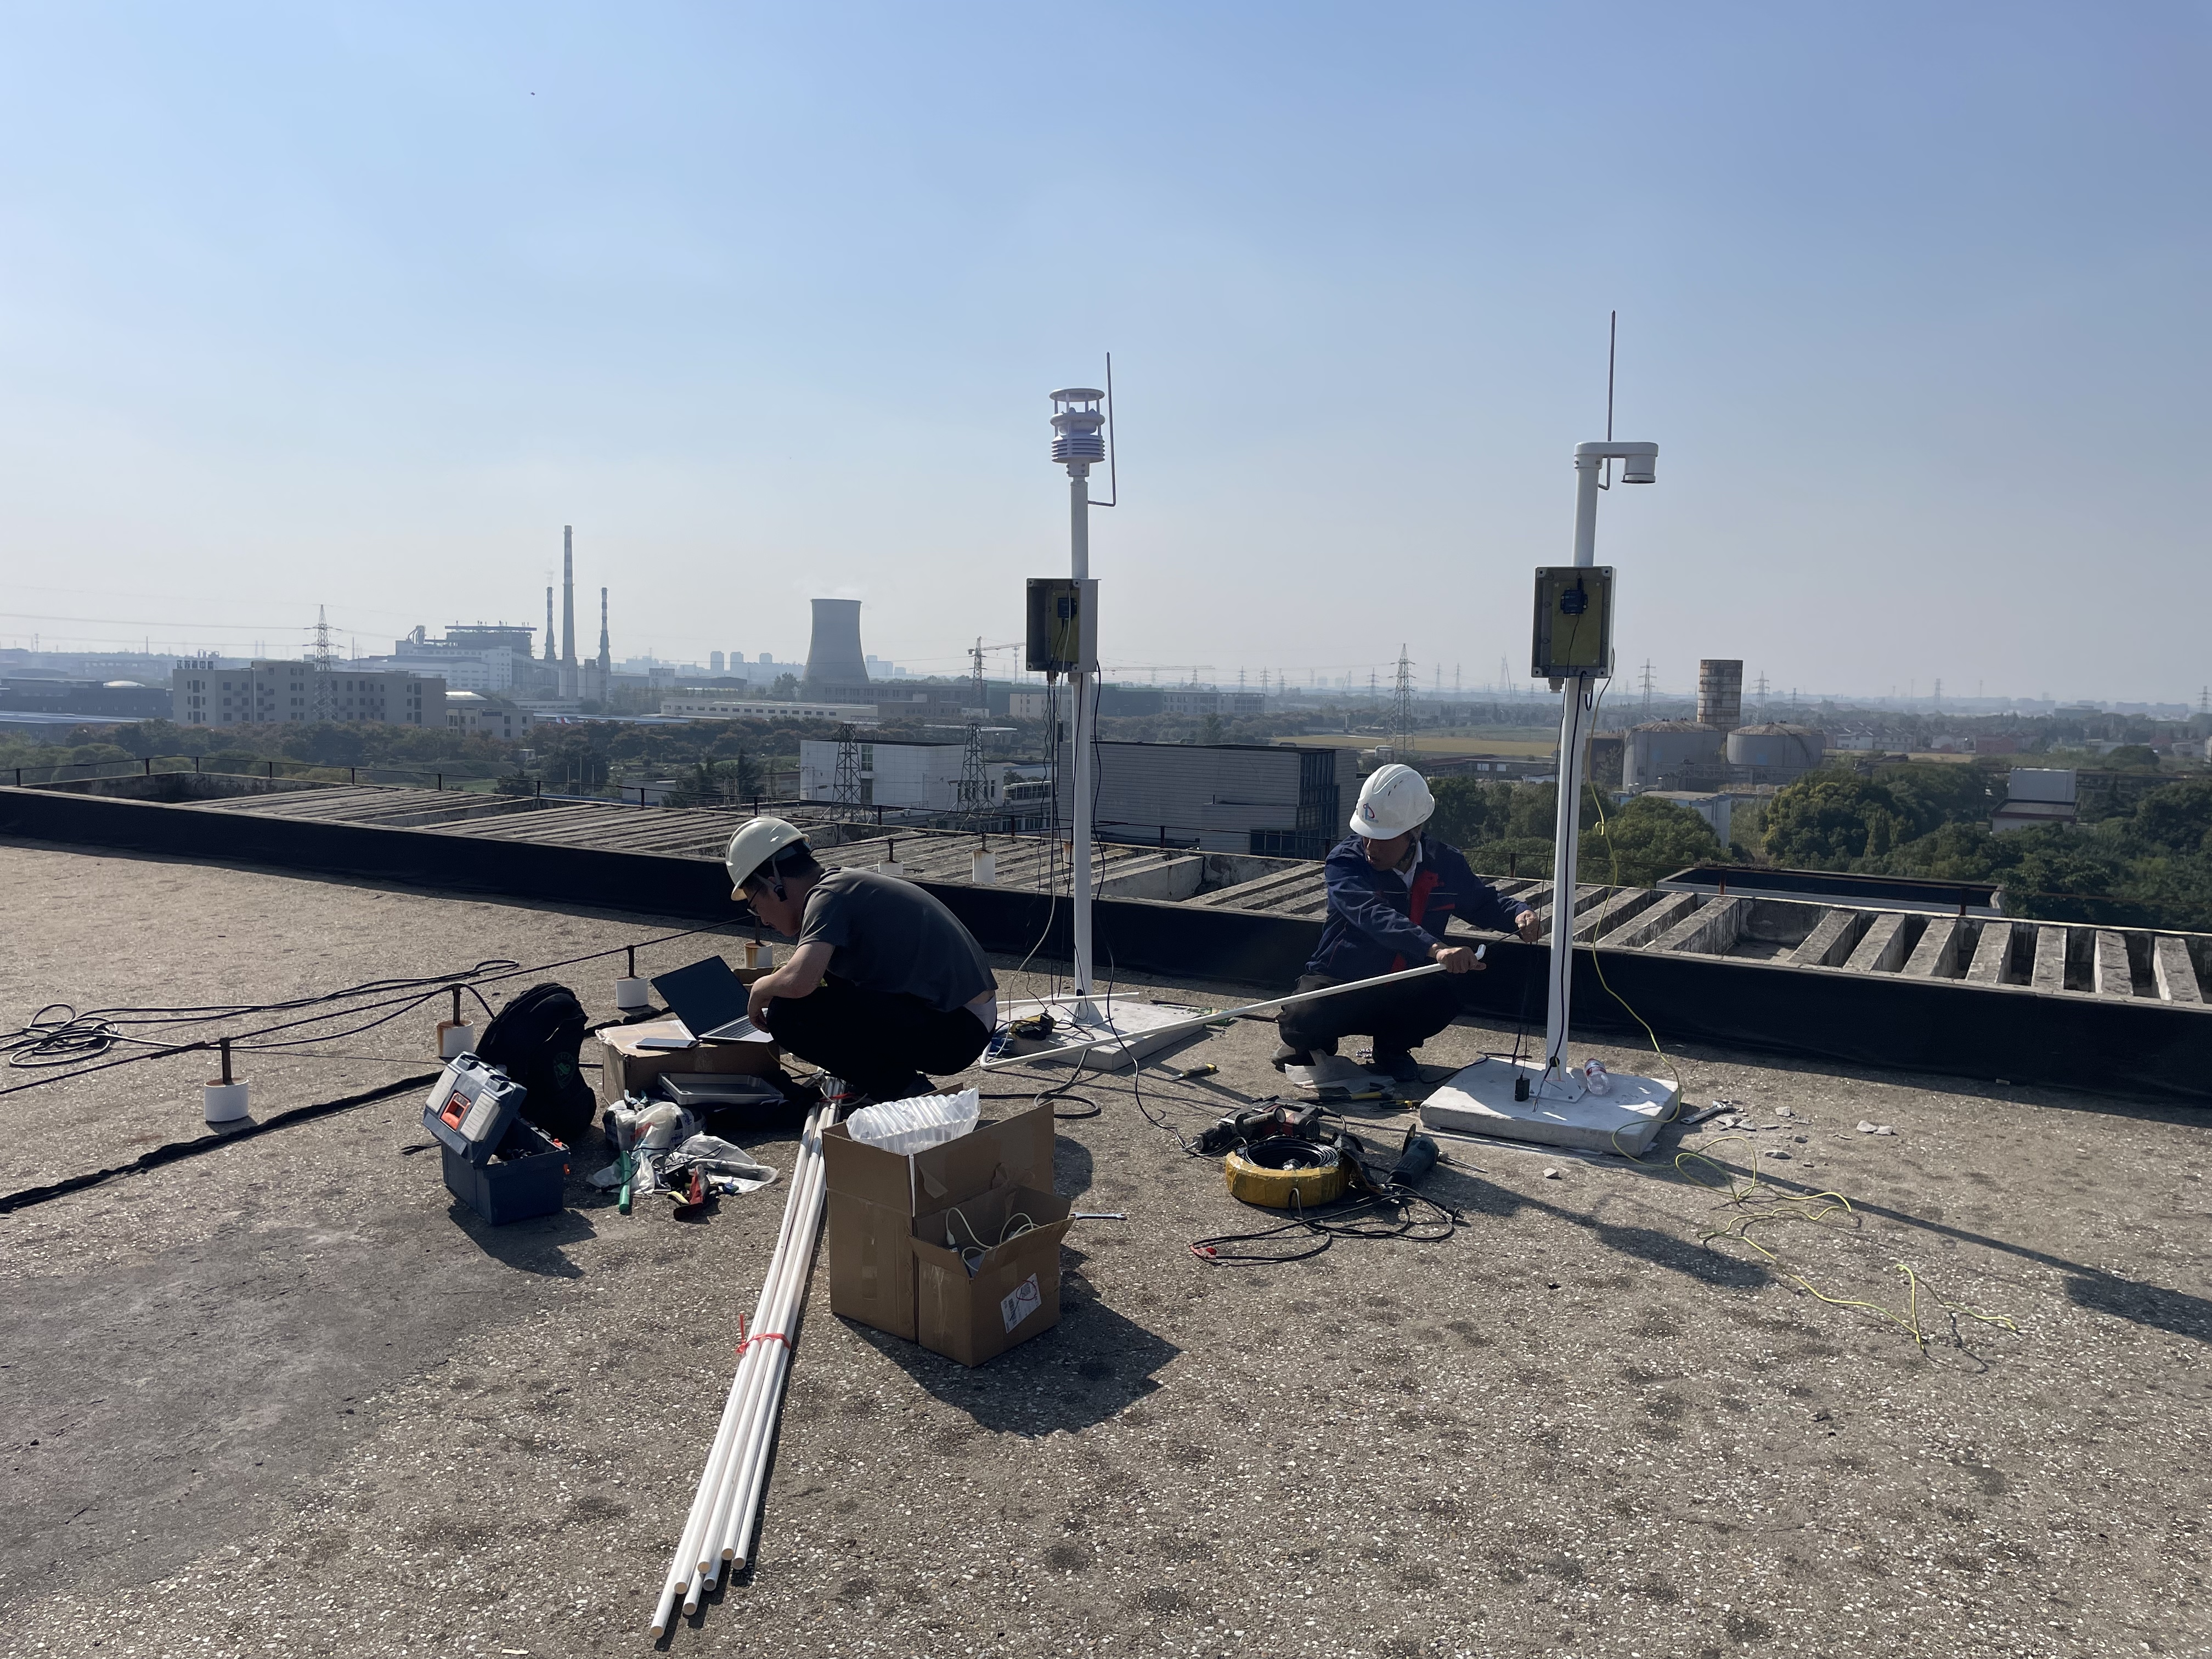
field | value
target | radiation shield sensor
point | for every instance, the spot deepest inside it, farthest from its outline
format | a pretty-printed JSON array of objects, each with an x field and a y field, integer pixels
[
  {"x": 1063, "y": 625},
  {"x": 1574, "y": 622}
]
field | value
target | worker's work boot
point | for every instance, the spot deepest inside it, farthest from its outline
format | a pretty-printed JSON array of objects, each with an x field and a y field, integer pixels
[{"x": 1399, "y": 1068}]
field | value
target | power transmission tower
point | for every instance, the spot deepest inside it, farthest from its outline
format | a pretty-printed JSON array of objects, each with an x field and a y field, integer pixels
[
  {"x": 1761, "y": 688},
  {"x": 1647, "y": 688},
  {"x": 844, "y": 788},
  {"x": 322, "y": 656},
  {"x": 982, "y": 693},
  {"x": 974, "y": 796},
  {"x": 1401, "y": 701}
]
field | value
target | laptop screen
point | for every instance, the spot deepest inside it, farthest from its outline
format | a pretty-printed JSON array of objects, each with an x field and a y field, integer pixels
[{"x": 704, "y": 996}]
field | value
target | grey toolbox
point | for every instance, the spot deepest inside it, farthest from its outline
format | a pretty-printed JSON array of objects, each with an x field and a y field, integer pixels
[
  {"x": 472, "y": 1107},
  {"x": 526, "y": 1178}
]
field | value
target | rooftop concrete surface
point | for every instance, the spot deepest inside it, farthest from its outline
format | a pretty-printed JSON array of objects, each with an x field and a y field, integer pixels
[{"x": 285, "y": 1396}]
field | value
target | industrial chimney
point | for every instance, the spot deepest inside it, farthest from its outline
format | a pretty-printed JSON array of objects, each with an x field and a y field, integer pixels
[
  {"x": 606, "y": 664},
  {"x": 1720, "y": 694},
  {"x": 833, "y": 655},
  {"x": 552, "y": 640},
  {"x": 568, "y": 596}
]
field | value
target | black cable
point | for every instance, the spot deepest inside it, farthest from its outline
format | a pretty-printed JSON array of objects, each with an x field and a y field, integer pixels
[
  {"x": 27, "y": 1196},
  {"x": 33, "y": 1037},
  {"x": 1329, "y": 1226}
]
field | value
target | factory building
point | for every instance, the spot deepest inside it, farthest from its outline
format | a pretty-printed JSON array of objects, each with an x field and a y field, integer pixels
[
  {"x": 269, "y": 693},
  {"x": 1271, "y": 799}
]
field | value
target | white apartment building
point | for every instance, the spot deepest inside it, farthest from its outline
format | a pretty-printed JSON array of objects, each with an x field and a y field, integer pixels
[{"x": 274, "y": 693}]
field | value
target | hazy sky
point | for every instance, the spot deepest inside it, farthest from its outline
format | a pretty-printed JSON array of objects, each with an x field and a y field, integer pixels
[{"x": 359, "y": 305}]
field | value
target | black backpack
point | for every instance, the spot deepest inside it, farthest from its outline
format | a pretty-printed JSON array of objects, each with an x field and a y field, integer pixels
[{"x": 535, "y": 1040}]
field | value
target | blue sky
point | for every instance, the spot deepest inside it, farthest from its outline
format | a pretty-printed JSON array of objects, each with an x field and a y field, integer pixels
[{"x": 358, "y": 306}]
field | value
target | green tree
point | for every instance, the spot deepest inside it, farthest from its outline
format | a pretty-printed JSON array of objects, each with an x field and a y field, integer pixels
[
  {"x": 2131, "y": 757},
  {"x": 1927, "y": 795},
  {"x": 1638, "y": 844},
  {"x": 1515, "y": 855},
  {"x": 2176, "y": 818},
  {"x": 1209, "y": 730},
  {"x": 1464, "y": 810},
  {"x": 1828, "y": 819}
]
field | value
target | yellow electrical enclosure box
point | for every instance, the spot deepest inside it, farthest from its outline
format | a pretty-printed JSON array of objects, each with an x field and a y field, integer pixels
[{"x": 1574, "y": 621}]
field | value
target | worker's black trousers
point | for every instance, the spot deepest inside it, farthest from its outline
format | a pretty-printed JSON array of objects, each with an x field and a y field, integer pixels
[
  {"x": 1398, "y": 1016},
  {"x": 875, "y": 1040}
]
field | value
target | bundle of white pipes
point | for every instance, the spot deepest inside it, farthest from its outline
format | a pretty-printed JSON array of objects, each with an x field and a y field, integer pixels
[{"x": 727, "y": 1507}]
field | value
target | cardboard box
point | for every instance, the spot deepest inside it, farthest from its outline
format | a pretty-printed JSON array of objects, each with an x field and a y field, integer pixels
[
  {"x": 625, "y": 1065},
  {"x": 875, "y": 1195},
  {"x": 1014, "y": 1292}
]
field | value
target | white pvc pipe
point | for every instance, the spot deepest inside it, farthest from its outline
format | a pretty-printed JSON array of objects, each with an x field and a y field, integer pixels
[
  {"x": 765, "y": 1360},
  {"x": 752, "y": 1470},
  {"x": 682, "y": 1573},
  {"x": 748, "y": 1470}
]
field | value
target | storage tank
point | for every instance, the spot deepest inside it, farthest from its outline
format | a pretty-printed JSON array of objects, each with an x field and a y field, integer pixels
[
  {"x": 1720, "y": 693},
  {"x": 1670, "y": 754},
  {"x": 1777, "y": 752}
]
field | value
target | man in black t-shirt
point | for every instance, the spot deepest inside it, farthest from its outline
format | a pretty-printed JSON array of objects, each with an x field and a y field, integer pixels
[{"x": 886, "y": 987}]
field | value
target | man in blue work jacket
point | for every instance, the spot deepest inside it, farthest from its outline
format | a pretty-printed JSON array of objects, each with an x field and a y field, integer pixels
[{"x": 1392, "y": 892}]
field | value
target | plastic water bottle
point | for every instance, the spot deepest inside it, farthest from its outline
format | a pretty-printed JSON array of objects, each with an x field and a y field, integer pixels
[
  {"x": 1595, "y": 1078},
  {"x": 909, "y": 1126}
]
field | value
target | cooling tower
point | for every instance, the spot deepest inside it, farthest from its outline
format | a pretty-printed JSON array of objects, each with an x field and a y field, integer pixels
[{"x": 833, "y": 655}]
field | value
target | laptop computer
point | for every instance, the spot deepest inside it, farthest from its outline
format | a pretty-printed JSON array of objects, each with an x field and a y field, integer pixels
[{"x": 710, "y": 1000}]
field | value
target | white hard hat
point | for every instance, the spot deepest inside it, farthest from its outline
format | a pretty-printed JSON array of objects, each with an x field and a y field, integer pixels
[
  {"x": 1393, "y": 799},
  {"x": 755, "y": 844}
]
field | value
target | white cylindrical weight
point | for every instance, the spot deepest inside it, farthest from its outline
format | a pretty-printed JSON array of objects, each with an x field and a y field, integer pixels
[
  {"x": 890, "y": 868},
  {"x": 454, "y": 1041},
  {"x": 983, "y": 869},
  {"x": 632, "y": 994},
  {"x": 226, "y": 1103}
]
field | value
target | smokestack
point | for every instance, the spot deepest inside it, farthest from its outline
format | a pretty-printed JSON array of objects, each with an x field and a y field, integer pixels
[
  {"x": 833, "y": 655},
  {"x": 606, "y": 664},
  {"x": 568, "y": 596},
  {"x": 552, "y": 643},
  {"x": 1720, "y": 693}
]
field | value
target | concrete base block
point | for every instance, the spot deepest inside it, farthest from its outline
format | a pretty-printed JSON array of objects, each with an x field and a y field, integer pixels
[
  {"x": 1125, "y": 1029},
  {"x": 1479, "y": 1100}
]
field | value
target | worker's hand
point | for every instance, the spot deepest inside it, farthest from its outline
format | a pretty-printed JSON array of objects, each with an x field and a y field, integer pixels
[
  {"x": 1456, "y": 958},
  {"x": 758, "y": 999},
  {"x": 1528, "y": 926}
]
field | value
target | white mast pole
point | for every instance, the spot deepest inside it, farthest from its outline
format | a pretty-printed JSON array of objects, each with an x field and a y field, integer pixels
[
  {"x": 1575, "y": 700},
  {"x": 1577, "y": 694},
  {"x": 1078, "y": 680}
]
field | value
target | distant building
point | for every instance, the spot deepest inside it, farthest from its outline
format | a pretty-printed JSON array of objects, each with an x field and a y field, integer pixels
[
  {"x": 1191, "y": 701},
  {"x": 2036, "y": 795},
  {"x": 914, "y": 773},
  {"x": 479, "y": 715},
  {"x": 1268, "y": 799},
  {"x": 730, "y": 708},
  {"x": 274, "y": 693},
  {"x": 124, "y": 699}
]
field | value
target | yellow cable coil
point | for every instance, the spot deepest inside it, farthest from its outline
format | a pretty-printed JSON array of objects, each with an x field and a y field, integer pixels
[{"x": 1322, "y": 1175}]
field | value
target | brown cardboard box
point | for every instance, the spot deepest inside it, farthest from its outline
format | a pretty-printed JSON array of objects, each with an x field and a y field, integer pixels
[
  {"x": 1015, "y": 1291},
  {"x": 874, "y": 1196},
  {"x": 624, "y": 1066}
]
